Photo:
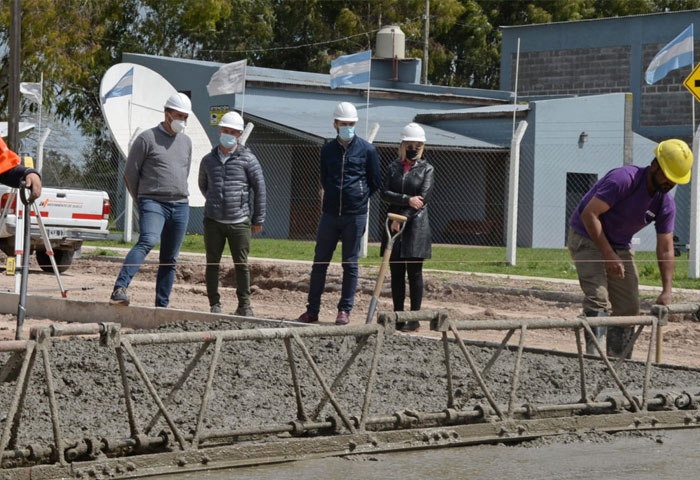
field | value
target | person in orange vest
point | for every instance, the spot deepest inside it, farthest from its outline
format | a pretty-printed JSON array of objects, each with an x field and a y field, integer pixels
[{"x": 12, "y": 172}]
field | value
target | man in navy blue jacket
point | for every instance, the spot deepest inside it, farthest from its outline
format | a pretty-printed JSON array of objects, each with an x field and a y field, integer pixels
[{"x": 350, "y": 174}]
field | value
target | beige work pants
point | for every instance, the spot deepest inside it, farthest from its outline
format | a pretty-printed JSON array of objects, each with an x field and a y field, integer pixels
[{"x": 617, "y": 296}]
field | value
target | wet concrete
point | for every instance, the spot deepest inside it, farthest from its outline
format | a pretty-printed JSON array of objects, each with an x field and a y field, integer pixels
[
  {"x": 668, "y": 454},
  {"x": 252, "y": 387}
]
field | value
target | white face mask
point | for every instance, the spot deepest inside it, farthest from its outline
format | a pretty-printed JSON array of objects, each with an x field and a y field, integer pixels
[{"x": 177, "y": 126}]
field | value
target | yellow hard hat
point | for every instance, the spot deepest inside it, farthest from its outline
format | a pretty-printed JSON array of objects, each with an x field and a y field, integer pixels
[{"x": 675, "y": 159}]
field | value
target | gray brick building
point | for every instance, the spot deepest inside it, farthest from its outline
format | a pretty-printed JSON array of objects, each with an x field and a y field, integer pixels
[{"x": 610, "y": 55}]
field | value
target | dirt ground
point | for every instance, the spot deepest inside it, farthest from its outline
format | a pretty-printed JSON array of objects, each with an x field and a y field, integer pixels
[{"x": 279, "y": 292}]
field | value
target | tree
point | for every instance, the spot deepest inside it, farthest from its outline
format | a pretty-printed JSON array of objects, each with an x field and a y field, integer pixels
[
  {"x": 175, "y": 28},
  {"x": 468, "y": 49},
  {"x": 246, "y": 33},
  {"x": 60, "y": 171},
  {"x": 73, "y": 42}
]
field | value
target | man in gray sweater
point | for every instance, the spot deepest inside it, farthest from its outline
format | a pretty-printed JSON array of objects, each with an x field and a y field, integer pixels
[
  {"x": 227, "y": 177},
  {"x": 156, "y": 175}
]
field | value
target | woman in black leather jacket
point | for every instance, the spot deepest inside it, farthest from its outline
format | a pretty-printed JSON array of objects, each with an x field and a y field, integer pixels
[{"x": 406, "y": 188}]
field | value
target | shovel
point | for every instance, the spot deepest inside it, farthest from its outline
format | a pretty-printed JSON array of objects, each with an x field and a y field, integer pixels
[
  {"x": 385, "y": 261},
  {"x": 11, "y": 369}
]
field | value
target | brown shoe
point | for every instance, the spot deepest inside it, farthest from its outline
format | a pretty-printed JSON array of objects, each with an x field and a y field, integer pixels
[
  {"x": 306, "y": 317},
  {"x": 343, "y": 318}
]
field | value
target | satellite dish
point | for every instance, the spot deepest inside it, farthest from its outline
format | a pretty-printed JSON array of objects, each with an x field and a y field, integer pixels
[{"x": 132, "y": 98}]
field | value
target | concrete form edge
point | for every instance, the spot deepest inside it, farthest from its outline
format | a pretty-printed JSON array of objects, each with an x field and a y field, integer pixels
[{"x": 66, "y": 310}]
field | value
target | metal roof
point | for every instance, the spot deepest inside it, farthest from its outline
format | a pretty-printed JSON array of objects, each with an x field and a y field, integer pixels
[
  {"x": 306, "y": 113},
  {"x": 491, "y": 111},
  {"x": 302, "y": 103}
]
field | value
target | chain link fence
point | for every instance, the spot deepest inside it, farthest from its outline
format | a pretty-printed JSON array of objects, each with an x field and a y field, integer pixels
[{"x": 469, "y": 206}]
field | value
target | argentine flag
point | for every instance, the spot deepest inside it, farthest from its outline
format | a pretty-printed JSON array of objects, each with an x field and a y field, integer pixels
[
  {"x": 351, "y": 69},
  {"x": 678, "y": 53},
  {"x": 123, "y": 87}
]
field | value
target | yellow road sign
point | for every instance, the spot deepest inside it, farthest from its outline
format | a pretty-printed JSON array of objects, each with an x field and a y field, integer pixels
[{"x": 692, "y": 82}]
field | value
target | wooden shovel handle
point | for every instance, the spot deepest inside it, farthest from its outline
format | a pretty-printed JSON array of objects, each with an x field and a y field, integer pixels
[{"x": 397, "y": 218}]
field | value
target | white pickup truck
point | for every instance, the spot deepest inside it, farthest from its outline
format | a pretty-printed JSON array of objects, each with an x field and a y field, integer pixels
[{"x": 70, "y": 216}]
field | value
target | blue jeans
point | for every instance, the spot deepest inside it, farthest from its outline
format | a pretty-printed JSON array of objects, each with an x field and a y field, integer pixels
[
  {"x": 332, "y": 228},
  {"x": 158, "y": 221}
]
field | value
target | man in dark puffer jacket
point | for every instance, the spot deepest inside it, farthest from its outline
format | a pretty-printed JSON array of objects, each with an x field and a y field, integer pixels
[{"x": 227, "y": 175}]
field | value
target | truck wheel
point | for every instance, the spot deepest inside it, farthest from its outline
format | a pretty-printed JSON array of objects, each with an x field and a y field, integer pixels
[{"x": 63, "y": 259}]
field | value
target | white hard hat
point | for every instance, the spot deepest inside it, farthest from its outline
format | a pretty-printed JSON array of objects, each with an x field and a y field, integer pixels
[
  {"x": 180, "y": 102},
  {"x": 232, "y": 120},
  {"x": 413, "y": 133},
  {"x": 345, "y": 112}
]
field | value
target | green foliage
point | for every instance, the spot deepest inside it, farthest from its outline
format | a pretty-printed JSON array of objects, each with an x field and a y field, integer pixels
[
  {"x": 247, "y": 31},
  {"x": 649, "y": 272},
  {"x": 73, "y": 42},
  {"x": 177, "y": 28}
]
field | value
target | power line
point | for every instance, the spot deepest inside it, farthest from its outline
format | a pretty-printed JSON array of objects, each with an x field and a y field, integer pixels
[
  {"x": 313, "y": 44},
  {"x": 292, "y": 47}
]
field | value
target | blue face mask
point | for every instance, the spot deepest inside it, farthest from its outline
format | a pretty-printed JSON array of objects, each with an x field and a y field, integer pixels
[
  {"x": 227, "y": 140},
  {"x": 346, "y": 132}
]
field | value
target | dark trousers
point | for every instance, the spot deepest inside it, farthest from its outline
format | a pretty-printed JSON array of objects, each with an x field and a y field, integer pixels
[
  {"x": 399, "y": 267},
  {"x": 347, "y": 229},
  {"x": 215, "y": 236}
]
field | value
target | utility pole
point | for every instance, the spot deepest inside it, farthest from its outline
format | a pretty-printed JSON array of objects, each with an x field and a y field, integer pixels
[
  {"x": 426, "y": 33},
  {"x": 13, "y": 84}
]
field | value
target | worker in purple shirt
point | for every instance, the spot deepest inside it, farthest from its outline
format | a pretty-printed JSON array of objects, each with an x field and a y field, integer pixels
[{"x": 618, "y": 206}]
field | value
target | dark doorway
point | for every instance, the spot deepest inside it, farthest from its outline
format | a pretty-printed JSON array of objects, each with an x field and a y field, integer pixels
[{"x": 577, "y": 185}]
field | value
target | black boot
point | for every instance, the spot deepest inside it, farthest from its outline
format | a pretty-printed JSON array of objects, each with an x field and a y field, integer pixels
[
  {"x": 411, "y": 326},
  {"x": 599, "y": 333},
  {"x": 618, "y": 339}
]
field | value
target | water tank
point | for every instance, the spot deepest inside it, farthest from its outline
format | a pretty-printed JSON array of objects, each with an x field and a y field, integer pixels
[{"x": 391, "y": 42}]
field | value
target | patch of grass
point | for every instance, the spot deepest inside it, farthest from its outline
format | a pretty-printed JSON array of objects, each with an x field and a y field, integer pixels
[
  {"x": 647, "y": 296},
  {"x": 102, "y": 252},
  {"x": 532, "y": 262},
  {"x": 193, "y": 243}
]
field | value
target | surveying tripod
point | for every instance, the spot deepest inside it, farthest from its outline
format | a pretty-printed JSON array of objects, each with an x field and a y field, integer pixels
[{"x": 22, "y": 244}]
